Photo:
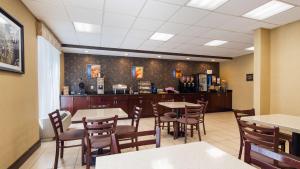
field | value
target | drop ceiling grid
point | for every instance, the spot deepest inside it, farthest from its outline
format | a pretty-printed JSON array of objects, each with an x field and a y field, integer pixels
[{"x": 115, "y": 35}]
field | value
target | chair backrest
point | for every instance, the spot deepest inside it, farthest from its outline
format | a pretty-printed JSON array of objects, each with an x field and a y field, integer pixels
[
  {"x": 204, "y": 104},
  {"x": 56, "y": 123},
  {"x": 283, "y": 158},
  {"x": 136, "y": 115},
  {"x": 193, "y": 112},
  {"x": 267, "y": 137},
  {"x": 100, "y": 126},
  {"x": 117, "y": 146},
  {"x": 155, "y": 110},
  {"x": 243, "y": 113}
]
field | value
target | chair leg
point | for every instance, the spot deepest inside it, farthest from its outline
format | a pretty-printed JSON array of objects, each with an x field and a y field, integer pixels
[
  {"x": 198, "y": 128},
  {"x": 204, "y": 128},
  {"x": 137, "y": 147},
  {"x": 185, "y": 133},
  {"x": 168, "y": 127},
  {"x": 82, "y": 152},
  {"x": 56, "y": 155},
  {"x": 241, "y": 148},
  {"x": 175, "y": 129},
  {"x": 192, "y": 131},
  {"x": 62, "y": 144}
]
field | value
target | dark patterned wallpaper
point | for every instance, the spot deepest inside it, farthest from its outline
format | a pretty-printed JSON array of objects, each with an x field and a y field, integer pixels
[{"x": 118, "y": 70}]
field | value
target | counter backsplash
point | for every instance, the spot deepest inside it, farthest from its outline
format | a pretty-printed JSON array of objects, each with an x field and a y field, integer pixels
[{"x": 118, "y": 70}]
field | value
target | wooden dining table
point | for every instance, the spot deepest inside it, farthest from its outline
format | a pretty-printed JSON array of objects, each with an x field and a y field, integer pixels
[
  {"x": 284, "y": 122},
  {"x": 195, "y": 155},
  {"x": 176, "y": 105},
  {"x": 98, "y": 114}
]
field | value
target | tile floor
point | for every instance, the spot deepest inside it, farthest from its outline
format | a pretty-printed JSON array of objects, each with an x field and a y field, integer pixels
[{"x": 221, "y": 131}]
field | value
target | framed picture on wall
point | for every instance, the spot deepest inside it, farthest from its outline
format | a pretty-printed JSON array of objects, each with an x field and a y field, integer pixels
[{"x": 11, "y": 44}]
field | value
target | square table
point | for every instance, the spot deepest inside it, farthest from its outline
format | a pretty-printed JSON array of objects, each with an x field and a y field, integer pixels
[
  {"x": 184, "y": 156},
  {"x": 99, "y": 114},
  {"x": 284, "y": 122}
]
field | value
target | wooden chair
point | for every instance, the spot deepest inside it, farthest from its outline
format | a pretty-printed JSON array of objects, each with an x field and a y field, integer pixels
[
  {"x": 251, "y": 112},
  {"x": 171, "y": 114},
  {"x": 98, "y": 135},
  {"x": 135, "y": 120},
  {"x": 160, "y": 119},
  {"x": 192, "y": 118},
  {"x": 61, "y": 136},
  {"x": 117, "y": 146},
  {"x": 201, "y": 120},
  {"x": 238, "y": 115},
  {"x": 282, "y": 158},
  {"x": 267, "y": 137}
]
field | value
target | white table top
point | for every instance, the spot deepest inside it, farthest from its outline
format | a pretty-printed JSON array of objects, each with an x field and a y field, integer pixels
[
  {"x": 176, "y": 105},
  {"x": 198, "y": 155},
  {"x": 285, "y": 122},
  {"x": 99, "y": 114}
]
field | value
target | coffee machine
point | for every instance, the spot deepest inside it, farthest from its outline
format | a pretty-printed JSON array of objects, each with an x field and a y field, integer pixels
[{"x": 100, "y": 85}]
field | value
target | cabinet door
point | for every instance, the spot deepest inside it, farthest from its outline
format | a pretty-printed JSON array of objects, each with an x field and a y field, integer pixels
[
  {"x": 66, "y": 103},
  {"x": 108, "y": 101},
  {"x": 81, "y": 102},
  {"x": 228, "y": 101}
]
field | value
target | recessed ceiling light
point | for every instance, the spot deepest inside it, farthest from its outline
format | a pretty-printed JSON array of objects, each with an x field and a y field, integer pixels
[
  {"x": 86, "y": 51},
  {"x": 161, "y": 36},
  {"x": 3, "y": 21},
  {"x": 250, "y": 48},
  {"x": 188, "y": 58},
  {"x": 215, "y": 43},
  {"x": 213, "y": 60},
  {"x": 206, "y": 4},
  {"x": 86, "y": 27},
  {"x": 267, "y": 10},
  {"x": 126, "y": 54},
  {"x": 159, "y": 56}
]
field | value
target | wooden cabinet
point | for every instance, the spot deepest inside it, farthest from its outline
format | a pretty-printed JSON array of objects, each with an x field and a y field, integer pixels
[
  {"x": 217, "y": 102},
  {"x": 80, "y": 102},
  {"x": 66, "y": 103}
]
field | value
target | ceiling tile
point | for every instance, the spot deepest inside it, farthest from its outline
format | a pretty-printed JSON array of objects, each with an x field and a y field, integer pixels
[
  {"x": 152, "y": 43},
  {"x": 172, "y": 28},
  {"x": 199, "y": 41},
  {"x": 91, "y": 16},
  {"x": 293, "y": 2},
  {"x": 139, "y": 34},
  {"x": 127, "y": 7},
  {"x": 285, "y": 17},
  {"x": 179, "y": 39},
  {"x": 131, "y": 43},
  {"x": 147, "y": 24},
  {"x": 114, "y": 32},
  {"x": 237, "y": 45},
  {"x": 178, "y": 2},
  {"x": 245, "y": 25},
  {"x": 194, "y": 31},
  {"x": 93, "y": 4},
  {"x": 240, "y": 7},
  {"x": 215, "y": 20},
  {"x": 193, "y": 15},
  {"x": 158, "y": 10},
  {"x": 46, "y": 11},
  {"x": 113, "y": 42},
  {"x": 229, "y": 36},
  {"x": 118, "y": 20},
  {"x": 88, "y": 39}
]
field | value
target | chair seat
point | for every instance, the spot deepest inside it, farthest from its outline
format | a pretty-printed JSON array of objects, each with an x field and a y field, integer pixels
[
  {"x": 188, "y": 121},
  {"x": 123, "y": 129},
  {"x": 170, "y": 114},
  {"x": 75, "y": 134},
  {"x": 100, "y": 141},
  {"x": 167, "y": 119},
  {"x": 268, "y": 160}
]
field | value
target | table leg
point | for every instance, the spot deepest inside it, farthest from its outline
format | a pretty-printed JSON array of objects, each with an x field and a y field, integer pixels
[{"x": 296, "y": 144}]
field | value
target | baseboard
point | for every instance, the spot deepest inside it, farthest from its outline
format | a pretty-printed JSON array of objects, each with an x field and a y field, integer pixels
[{"x": 21, "y": 160}]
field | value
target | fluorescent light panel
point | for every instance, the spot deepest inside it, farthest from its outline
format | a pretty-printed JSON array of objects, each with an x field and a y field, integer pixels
[
  {"x": 161, "y": 36},
  {"x": 267, "y": 10},
  {"x": 86, "y": 27},
  {"x": 206, "y": 4},
  {"x": 250, "y": 48},
  {"x": 215, "y": 43}
]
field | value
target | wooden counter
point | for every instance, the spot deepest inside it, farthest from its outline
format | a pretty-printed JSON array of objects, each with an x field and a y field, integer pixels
[{"x": 217, "y": 102}]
